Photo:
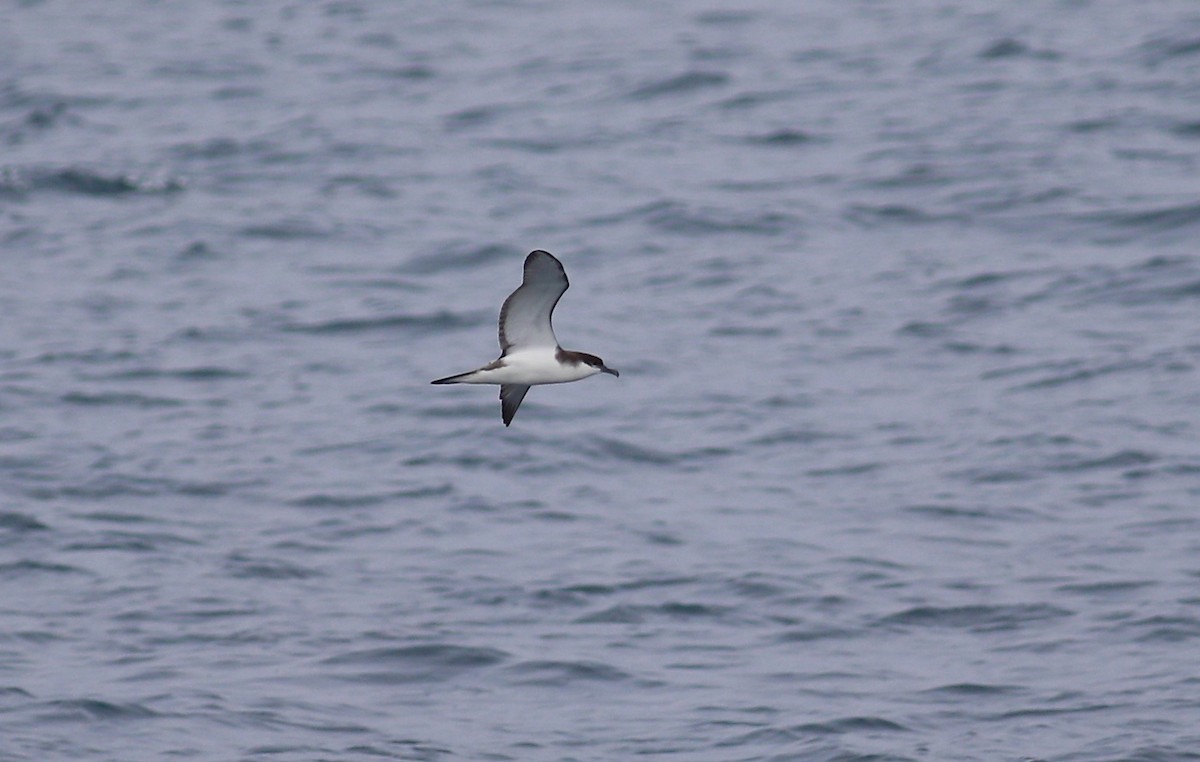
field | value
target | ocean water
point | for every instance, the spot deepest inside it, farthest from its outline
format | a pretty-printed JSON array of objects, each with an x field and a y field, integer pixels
[{"x": 903, "y": 460}]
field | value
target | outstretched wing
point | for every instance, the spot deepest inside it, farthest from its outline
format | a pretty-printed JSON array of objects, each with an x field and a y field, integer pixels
[
  {"x": 510, "y": 399},
  {"x": 525, "y": 316}
]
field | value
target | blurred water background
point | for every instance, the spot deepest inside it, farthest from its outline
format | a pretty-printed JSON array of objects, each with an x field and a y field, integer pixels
[{"x": 902, "y": 463}]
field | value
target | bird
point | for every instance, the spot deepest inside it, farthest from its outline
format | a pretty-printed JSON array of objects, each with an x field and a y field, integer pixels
[{"x": 529, "y": 351}]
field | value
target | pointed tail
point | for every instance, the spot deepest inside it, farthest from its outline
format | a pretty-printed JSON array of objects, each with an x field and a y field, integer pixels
[{"x": 456, "y": 379}]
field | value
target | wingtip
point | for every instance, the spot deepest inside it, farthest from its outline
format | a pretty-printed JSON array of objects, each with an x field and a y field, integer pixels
[{"x": 537, "y": 253}]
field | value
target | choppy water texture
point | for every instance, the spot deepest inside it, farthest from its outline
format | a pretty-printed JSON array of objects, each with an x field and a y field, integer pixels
[{"x": 902, "y": 463}]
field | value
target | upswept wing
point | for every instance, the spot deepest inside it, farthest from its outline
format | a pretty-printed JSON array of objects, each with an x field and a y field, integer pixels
[{"x": 525, "y": 316}]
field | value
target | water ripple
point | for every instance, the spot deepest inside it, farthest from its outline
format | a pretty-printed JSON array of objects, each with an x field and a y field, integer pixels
[
  {"x": 21, "y": 183},
  {"x": 977, "y": 617},
  {"x": 680, "y": 84},
  {"x": 94, "y": 710},
  {"x": 563, "y": 673},
  {"x": 434, "y": 323},
  {"x": 415, "y": 664}
]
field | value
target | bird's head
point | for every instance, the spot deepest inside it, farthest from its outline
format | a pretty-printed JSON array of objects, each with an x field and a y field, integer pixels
[{"x": 597, "y": 363}]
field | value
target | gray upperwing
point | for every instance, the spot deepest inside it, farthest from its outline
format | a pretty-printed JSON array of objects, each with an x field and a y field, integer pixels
[
  {"x": 525, "y": 316},
  {"x": 510, "y": 399}
]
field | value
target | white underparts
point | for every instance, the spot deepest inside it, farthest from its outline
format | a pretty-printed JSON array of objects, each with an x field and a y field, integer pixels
[{"x": 536, "y": 365}]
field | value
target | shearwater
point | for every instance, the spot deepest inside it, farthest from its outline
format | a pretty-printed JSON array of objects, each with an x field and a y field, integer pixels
[{"x": 529, "y": 351}]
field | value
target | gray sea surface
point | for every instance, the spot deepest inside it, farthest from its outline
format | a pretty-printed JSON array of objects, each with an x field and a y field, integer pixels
[{"x": 902, "y": 464}]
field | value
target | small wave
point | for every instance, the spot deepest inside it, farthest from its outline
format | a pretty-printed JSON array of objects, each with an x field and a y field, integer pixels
[
  {"x": 725, "y": 17},
  {"x": 996, "y": 475},
  {"x": 474, "y": 116},
  {"x": 562, "y": 673},
  {"x": 683, "y": 83},
  {"x": 123, "y": 485},
  {"x": 795, "y": 436},
  {"x": 782, "y": 139},
  {"x": 214, "y": 148},
  {"x": 20, "y": 522},
  {"x": 850, "y": 469},
  {"x": 951, "y": 511},
  {"x": 119, "y": 399},
  {"x": 1163, "y": 49},
  {"x": 813, "y": 634},
  {"x": 461, "y": 258},
  {"x": 1044, "y": 711},
  {"x": 776, "y": 737},
  {"x": 1119, "y": 459},
  {"x": 581, "y": 593},
  {"x": 772, "y": 737},
  {"x": 1087, "y": 126},
  {"x": 1163, "y": 218},
  {"x": 622, "y": 614},
  {"x": 1190, "y": 130},
  {"x": 217, "y": 68},
  {"x": 618, "y": 449},
  {"x": 680, "y": 219},
  {"x": 197, "y": 251},
  {"x": 1084, "y": 374},
  {"x": 199, "y": 373},
  {"x": 89, "y": 710},
  {"x": 292, "y": 229},
  {"x": 674, "y": 611},
  {"x": 14, "y": 434},
  {"x": 1011, "y": 48},
  {"x": 358, "y": 500},
  {"x": 137, "y": 542},
  {"x": 547, "y": 145},
  {"x": 1006, "y": 48},
  {"x": 26, "y": 568},
  {"x": 89, "y": 357},
  {"x": 851, "y": 725},
  {"x": 116, "y": 517},
  {"x": 1110, "y": 588},
  {"x": 43, "y": 116},
  {"x": 1164, "y": 629},
  {"x": 627, "y": 451},
  {"x": 973, "y": 348},
  {"x": 675, "y": 218},
  {"x": 924, "y": 329},
  {"x": 19, "y": 183},
  {"x": 875, "y": 215},
  {"x": 436, "y": 322},
  {"x": 245, "y": 567},
  {"x": 735, "y": 331},
  {"x": 750, "y": 100},
  {"x": 915, "y": 176},
  {"x": 972, "y": 690},
  {"x": 414, "y": 72},
  {"x": 1153, "y": 281},
  {"x": 11, "y": 691},
  {"x": 416, "y": 664},
  {"x": 978, "y": 617}
]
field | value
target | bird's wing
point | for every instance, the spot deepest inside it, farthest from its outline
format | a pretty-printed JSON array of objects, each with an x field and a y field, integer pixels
[
  {"x": 525, "y": 316},
  {"x": 510, "y": 399}
]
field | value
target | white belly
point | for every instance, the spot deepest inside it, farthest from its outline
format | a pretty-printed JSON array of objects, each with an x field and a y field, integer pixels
[{"x": 530, "y": 367}]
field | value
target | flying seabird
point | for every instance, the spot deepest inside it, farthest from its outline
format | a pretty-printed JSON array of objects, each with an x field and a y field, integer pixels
[{"x": 529, "y": 351}]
